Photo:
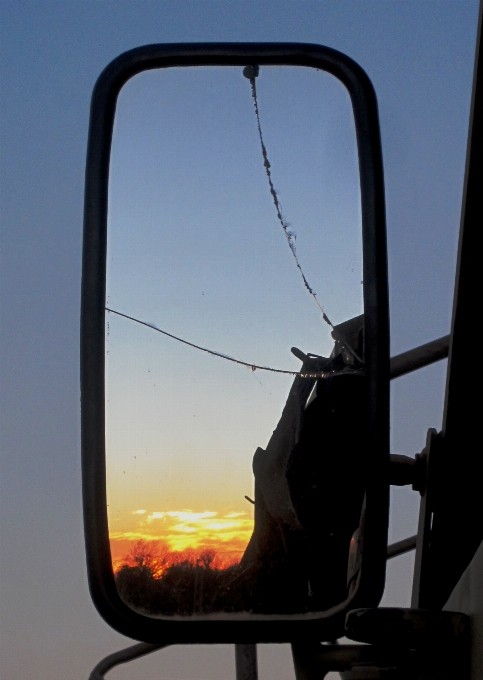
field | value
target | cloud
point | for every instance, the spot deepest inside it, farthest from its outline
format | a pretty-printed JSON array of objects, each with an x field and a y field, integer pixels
[
  {"x": 184, "y": 529},
  {"x": 188, "y": 516},
  {"x": 156, "y": 515},
  {"x": 139, "y": 512}
]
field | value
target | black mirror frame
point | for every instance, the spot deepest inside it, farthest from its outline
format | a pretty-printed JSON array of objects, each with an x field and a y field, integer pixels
[{"x": 238, "y": 628}]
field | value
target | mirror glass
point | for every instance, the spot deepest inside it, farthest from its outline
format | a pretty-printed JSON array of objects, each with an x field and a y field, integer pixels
[{"x": 232, "y": 488}]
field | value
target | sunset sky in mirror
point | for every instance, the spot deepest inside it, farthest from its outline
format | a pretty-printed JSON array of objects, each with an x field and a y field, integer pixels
[{"x": 195, "y": 248}]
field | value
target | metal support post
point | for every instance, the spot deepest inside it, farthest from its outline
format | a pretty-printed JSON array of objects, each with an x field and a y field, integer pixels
[{"x": 246, "y": 662}]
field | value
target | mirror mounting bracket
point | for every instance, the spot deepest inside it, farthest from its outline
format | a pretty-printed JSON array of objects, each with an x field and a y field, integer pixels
[
  {"x": 417, "y": 471},
  {"x": 407, "y": 644},
  {"x": 404, "y": 471}
]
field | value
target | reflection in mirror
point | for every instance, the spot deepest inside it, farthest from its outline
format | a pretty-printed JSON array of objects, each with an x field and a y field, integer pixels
[{"x": 234, "y": 225}]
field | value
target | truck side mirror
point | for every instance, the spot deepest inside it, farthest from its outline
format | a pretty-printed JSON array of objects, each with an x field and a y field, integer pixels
[{"x": 178, "y": 549}]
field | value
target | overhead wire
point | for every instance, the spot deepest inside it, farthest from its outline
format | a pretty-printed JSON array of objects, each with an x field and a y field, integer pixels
[
  {"x": 251, "y": 72},
  {"x": 251, "y": 366},
  {"x": 289, "y": 235}
]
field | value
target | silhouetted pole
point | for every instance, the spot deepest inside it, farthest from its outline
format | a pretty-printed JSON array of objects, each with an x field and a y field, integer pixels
[{"x": 246, "y": 662}]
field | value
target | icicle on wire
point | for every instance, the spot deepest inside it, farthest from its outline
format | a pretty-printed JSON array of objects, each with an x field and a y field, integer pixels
[{"x": 251, "y": 72}]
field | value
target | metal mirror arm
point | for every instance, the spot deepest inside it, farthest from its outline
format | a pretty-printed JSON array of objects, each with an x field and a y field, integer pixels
[
  {"x": 421, "y": 356},
  {"x": 123, "y": 656},
  {"x": 245, "y": 659},
  {"x": 404, "y": 470},
  {"x": 403, "y": 643}
]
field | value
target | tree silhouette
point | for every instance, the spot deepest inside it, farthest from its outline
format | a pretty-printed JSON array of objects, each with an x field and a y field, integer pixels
[{"x": 155, "y": 580}]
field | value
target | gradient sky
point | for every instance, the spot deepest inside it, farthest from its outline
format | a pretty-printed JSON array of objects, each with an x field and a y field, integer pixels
[
  {"x": 419, "y": 56},
  {"x": 195, "y": 246}
]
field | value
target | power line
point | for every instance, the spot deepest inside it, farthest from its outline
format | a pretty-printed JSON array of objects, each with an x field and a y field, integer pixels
[
  {"x": 251, "y": 73},
  {"x": 289, "y": 235},
  {"x": 251, "y": 366}
]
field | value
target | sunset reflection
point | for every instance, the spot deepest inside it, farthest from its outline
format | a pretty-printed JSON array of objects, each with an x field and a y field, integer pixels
[{"x": 179, "y": 535}]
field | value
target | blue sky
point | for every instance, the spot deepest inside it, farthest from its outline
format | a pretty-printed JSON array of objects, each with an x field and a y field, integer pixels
[
  {"x": 419, "y": 56},
  {"x": 195, "y": 246}
]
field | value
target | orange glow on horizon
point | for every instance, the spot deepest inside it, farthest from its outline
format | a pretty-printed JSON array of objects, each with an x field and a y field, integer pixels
[
  {"x": 159, "y": 558},
  {"x": 175, "y": 536}
]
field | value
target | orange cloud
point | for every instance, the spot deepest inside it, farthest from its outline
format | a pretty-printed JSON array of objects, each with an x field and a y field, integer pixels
[{"x": 185, "y": 531}]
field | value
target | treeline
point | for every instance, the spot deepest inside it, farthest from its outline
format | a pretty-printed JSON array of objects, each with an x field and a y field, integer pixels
[{"x": 168, "y": 583}]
